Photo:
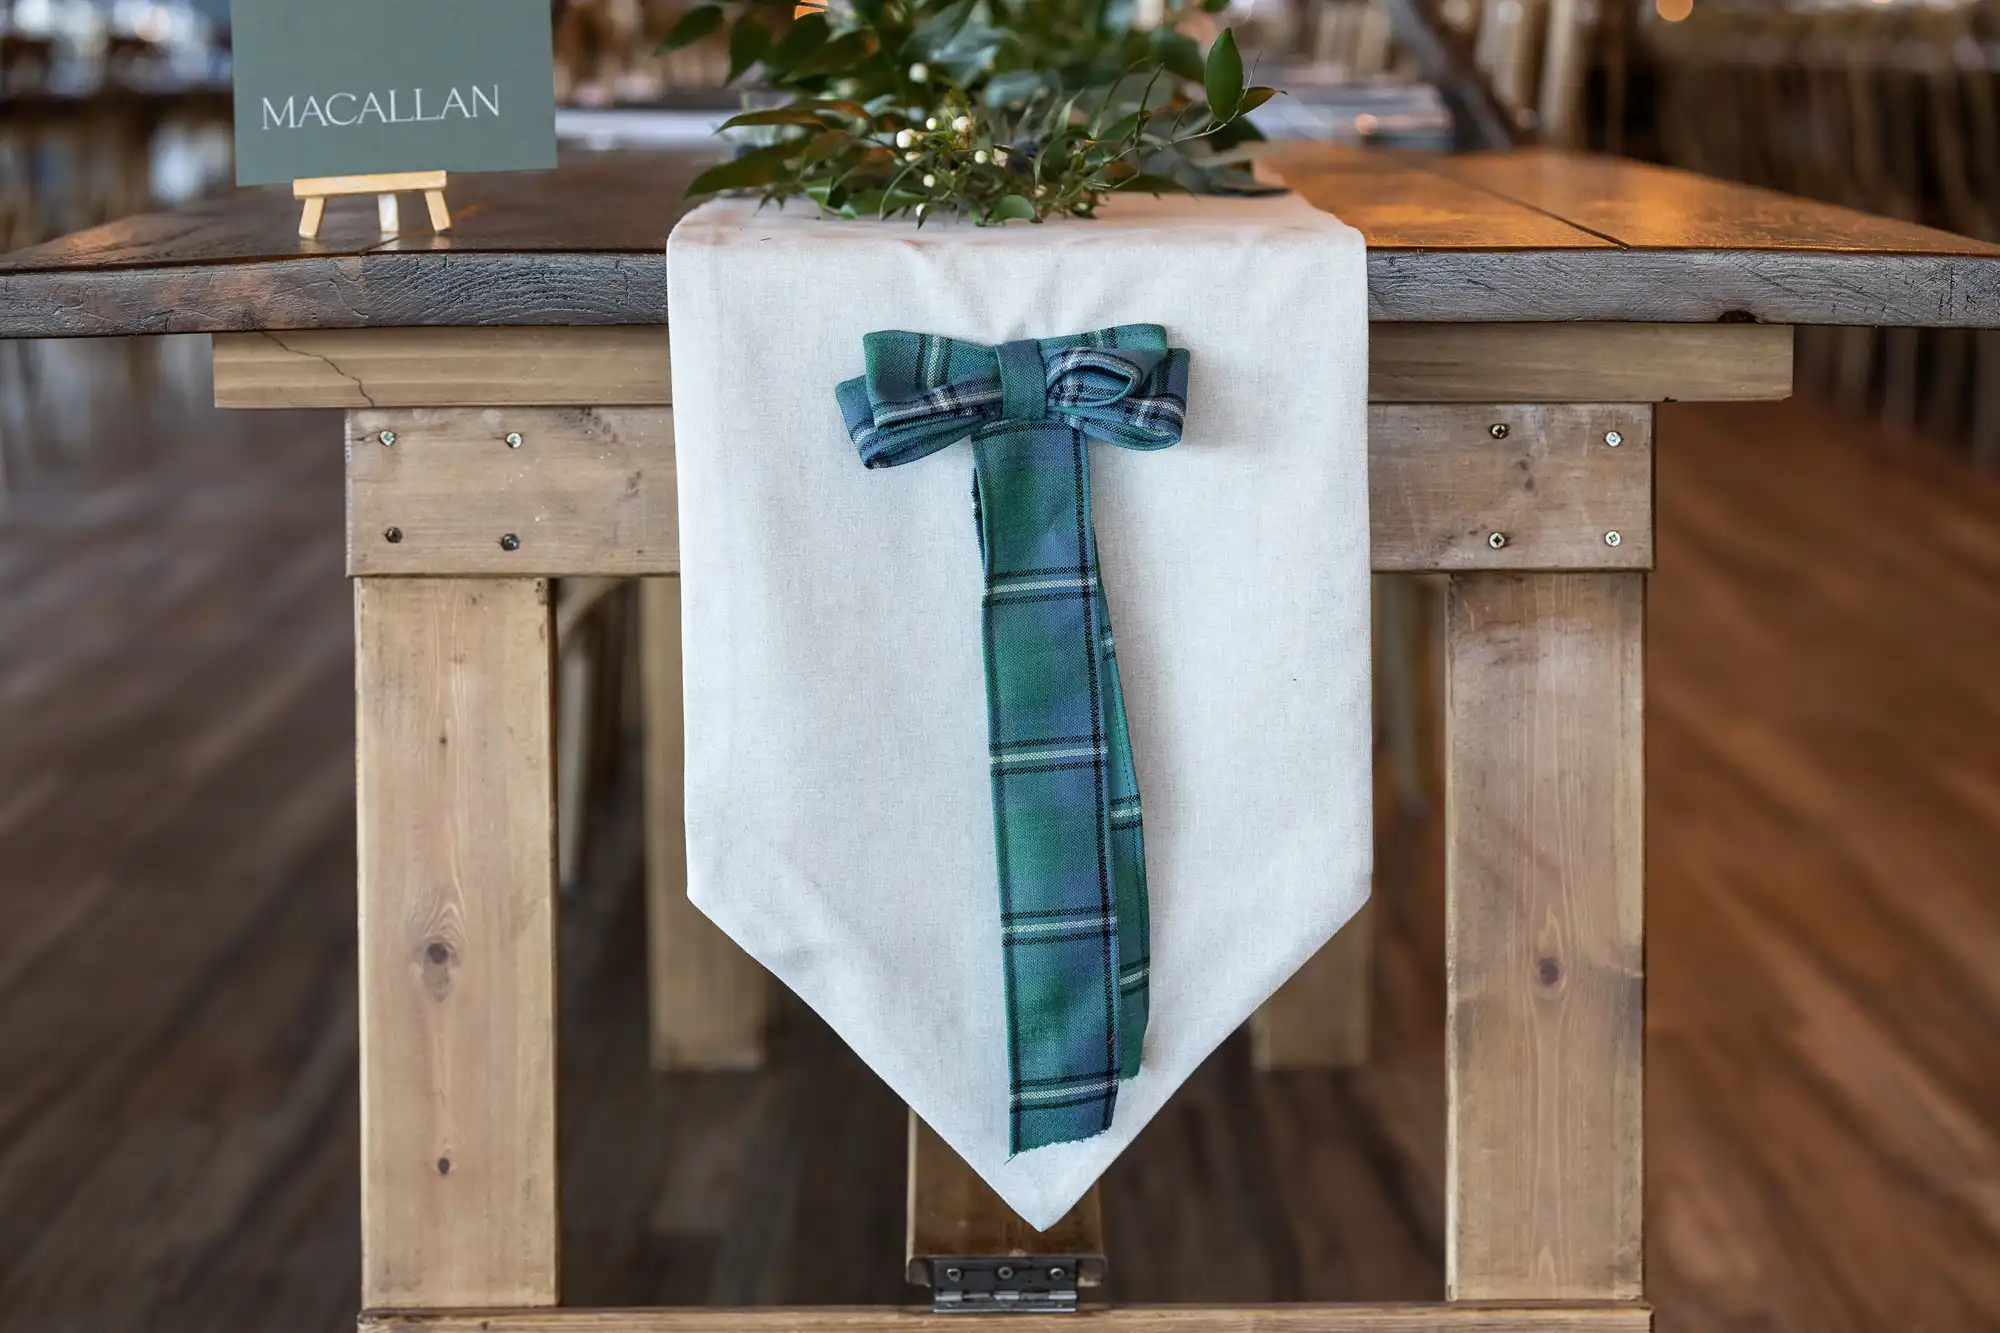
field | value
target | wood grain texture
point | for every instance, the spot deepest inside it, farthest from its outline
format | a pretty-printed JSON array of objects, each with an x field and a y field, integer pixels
[
  {"x": 1441, "y": 487},
  {"x": 1170, "y": 1319},
  {"x": 1320, "y": 1018},
  {"x": 709, "y": 1000},
  {"x": 1397, "y": 204},
  {"x": 1639, "y": 205},
  {"x": 582, "y": 245},
  {"x": 457, "y": 868},
  {"x": 952, "y": 1213},
  {"x": 628, "y": 365},
  {"x": 592, "y": 492},
  {"x": 1544, "y": 883},
  {"x": 603, "y": 366},
  {"x": 1578, "y": 363},
  {"x": 584, "y": 492}
]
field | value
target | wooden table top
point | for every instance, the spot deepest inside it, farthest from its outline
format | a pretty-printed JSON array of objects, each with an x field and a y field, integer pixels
[{"x": 1531, "y": 235}]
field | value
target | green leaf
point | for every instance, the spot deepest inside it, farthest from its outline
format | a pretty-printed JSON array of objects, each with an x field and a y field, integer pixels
[
  {"x": 825, "y": 145},
  {"x": 1122, "y": 128},
  {"x": 759, "y": 167},
  {"x": 1180, "y": 53},
  {"x": 838, "y": 55},
  {"x": 1012, "y": 207},
  {"x": 1148, "y": 183},
  {"x": 748, "y": 41},
  {"x": 852, "y": 111},
  {"x": 783, "y": 115},
  {"x": 697, "y": 23},
  {"x": 1254, "y": 98},
  {"x": 1224, "y": 76},
  {"x": 1014, "y": 87},
  {"x": 935, "y": 32},
  {"x": 807, "y": 34}
]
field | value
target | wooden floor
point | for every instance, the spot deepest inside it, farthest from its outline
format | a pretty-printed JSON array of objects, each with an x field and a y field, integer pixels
[{"x": 177, "y": 1090}]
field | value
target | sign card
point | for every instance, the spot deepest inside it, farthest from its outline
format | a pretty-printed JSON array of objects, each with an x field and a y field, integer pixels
[{"x": 362, "y": 87}]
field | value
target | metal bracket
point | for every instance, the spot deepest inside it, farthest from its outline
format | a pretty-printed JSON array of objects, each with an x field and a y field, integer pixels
[{"x": 1029, "y": 1284}]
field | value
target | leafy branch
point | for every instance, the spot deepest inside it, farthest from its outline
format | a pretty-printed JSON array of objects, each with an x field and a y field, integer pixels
[{"x": 999, "y": 110}]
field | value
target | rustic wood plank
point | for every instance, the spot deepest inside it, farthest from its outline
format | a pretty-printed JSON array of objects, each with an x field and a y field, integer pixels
[
  {"x": 1578, "y": 363},
  {"x": 582, "y": 246},
  {"x": 628, "y": 365},
  {"x": 592, "y": 492},
  {"x": 1407, "y": 208},
  {"x": 1320, "y": 1018},
  {"x": 457, "y": 942},
  {"x": 582, "y": 492},
  {"x": 1544, "y": 847},
  {"x": 952, "y": 1213},
  {"x": 1551, "y": 493},
  {"x": 603, "y": 366},
  {"x": 710, "y": 1000},
  {"x": 1640, "y": 205},
  {"x": 1470, "y": 1318}
]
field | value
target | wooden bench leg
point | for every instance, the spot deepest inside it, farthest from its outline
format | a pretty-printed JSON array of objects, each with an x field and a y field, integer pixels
[
  {"x": 710, "y": 1000},
  {"x": 959, "y": 1236},
  {"x": 1544, "y": 809},
  {"x": 457, "y": 942},
  {"x": 1320, "y": 1018}
]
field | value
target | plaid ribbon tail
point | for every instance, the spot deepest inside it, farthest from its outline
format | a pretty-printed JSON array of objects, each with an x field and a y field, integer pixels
[
  {"x": 1065, "y": 795},
  {"x": 1069, "y": 841}
]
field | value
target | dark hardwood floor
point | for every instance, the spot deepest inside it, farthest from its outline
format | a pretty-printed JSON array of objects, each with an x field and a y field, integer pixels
[{"x": 177, "y": 1087}]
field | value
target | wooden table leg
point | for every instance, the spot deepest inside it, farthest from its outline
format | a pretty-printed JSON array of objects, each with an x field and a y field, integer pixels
[
  {"x": 1544, "y": 809},
  {"x": 457, "y": 942},
  {"x": 710, "y": 1000}
]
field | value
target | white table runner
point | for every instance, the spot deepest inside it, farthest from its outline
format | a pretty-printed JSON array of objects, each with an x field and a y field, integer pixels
[{"x": 839, "y": 812}]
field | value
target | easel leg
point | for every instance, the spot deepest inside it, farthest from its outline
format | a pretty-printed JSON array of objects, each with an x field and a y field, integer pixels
[
  {"x": 1544, "y": 865},
  {"x": 387, "y": 215},
  {"x": 457, "y": 942},
  {"x": 309, "y": 219},
  {"x": 440, "y": 215},
  {"x": 710, "y": 1000}
]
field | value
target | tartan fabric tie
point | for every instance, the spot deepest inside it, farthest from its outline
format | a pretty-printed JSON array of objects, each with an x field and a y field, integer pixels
[{"x": 1071, "y": 850}]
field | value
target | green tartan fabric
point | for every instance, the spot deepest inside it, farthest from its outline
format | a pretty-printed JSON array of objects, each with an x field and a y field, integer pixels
[{"x": 1069, "y": 840}]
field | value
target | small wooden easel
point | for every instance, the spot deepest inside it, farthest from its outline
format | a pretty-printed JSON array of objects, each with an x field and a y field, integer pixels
[{"x": 317, "y": 190}]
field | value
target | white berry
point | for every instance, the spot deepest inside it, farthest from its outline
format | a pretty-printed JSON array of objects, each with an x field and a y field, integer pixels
[
  {"x": 920, "y": 73},
  {"x": 931, "y": 123},
  {"x": 982, "y": 157},
  {"x": 930, "y": 181},
  {"x": 904, "y": 138},
  {"x": 962, "y": 124}
]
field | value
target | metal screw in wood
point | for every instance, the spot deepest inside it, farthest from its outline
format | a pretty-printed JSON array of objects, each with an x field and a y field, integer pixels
[
  {"x": 510, "y": 542},
  {"x": 388, "y": 438},
  {"x": 1499, "y": 430},
  {"x": 513, "y": 439},
  {"x": 1614, "y": 438},
  {"x": 1612, "y": 539},
  {"x": 1496, "y": 540},
  {"x": 393, "y": 535}
]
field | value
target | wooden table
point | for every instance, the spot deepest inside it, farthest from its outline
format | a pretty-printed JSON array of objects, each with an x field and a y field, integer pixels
[{"x": 509, "y": 422}]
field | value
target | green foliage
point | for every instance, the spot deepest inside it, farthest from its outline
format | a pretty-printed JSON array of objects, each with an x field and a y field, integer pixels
[{"x": 1002, "y": 110}]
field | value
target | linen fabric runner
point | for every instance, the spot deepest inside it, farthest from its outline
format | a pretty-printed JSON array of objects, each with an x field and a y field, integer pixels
[
  {"x": 839, "y": 806},
  {"x": 1070, "y": 843}
]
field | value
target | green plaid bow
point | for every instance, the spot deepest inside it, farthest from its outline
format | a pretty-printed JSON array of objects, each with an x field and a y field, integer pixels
[{"x": 1071, "y": 852}]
